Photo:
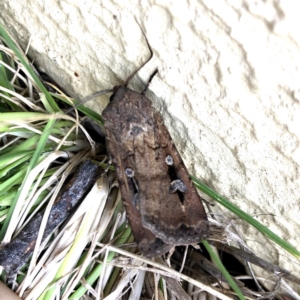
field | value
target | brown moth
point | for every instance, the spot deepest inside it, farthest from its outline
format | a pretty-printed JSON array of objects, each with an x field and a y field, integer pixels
[{"x": 162, "y": 205}]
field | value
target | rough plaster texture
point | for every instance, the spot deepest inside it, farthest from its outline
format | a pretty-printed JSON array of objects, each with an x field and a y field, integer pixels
[{"x": 228, "y": 87}]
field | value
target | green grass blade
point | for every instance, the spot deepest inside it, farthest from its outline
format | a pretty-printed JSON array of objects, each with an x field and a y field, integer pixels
[
  {"x": 7, "y": 39},
  {"x": 37, "y": 154},
  {"x": 25, "y": 145},
  {"x": 22, "y": 116},
  {"x": 221, "y": 267},
  {"x": 12, "y": 181},
  {"x": 237, "y": 211},
  {"x": 4, "y": 80},
  {"x": 8, "y": 160}
]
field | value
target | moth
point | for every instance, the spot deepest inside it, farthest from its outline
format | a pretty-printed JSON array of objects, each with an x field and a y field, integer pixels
[{"x": 162, "y": 205}]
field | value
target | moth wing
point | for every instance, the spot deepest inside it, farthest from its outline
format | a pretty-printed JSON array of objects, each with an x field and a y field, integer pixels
[
  {"x": 171, "y": 207},
  {"x": 119, "y": 145},
  {"x": 148, "y": 243}
]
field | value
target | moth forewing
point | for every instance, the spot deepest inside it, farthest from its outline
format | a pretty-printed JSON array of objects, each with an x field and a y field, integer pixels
[{"x": 171, "y": 207}]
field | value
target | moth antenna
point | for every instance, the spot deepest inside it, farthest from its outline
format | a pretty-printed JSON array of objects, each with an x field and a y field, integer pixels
[
  {"x": 148, "y": 83},
  {"x": 144, "y": 63},
  {"x": 88, "y": 98},
  {"x": 94, "y": 95}
]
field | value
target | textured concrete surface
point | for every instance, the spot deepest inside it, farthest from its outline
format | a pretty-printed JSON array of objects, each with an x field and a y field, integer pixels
[{"x": 228, "y": 87}]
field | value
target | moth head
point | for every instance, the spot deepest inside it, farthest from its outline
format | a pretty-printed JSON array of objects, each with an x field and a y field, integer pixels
[{"x": 114, "y": 91}]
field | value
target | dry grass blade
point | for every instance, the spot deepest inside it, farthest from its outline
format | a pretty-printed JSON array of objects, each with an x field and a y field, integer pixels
[
  {"x": 62, "y": 255},
  {"x": 14, "y": 255},
  {"x": 171, "y": 272}
]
